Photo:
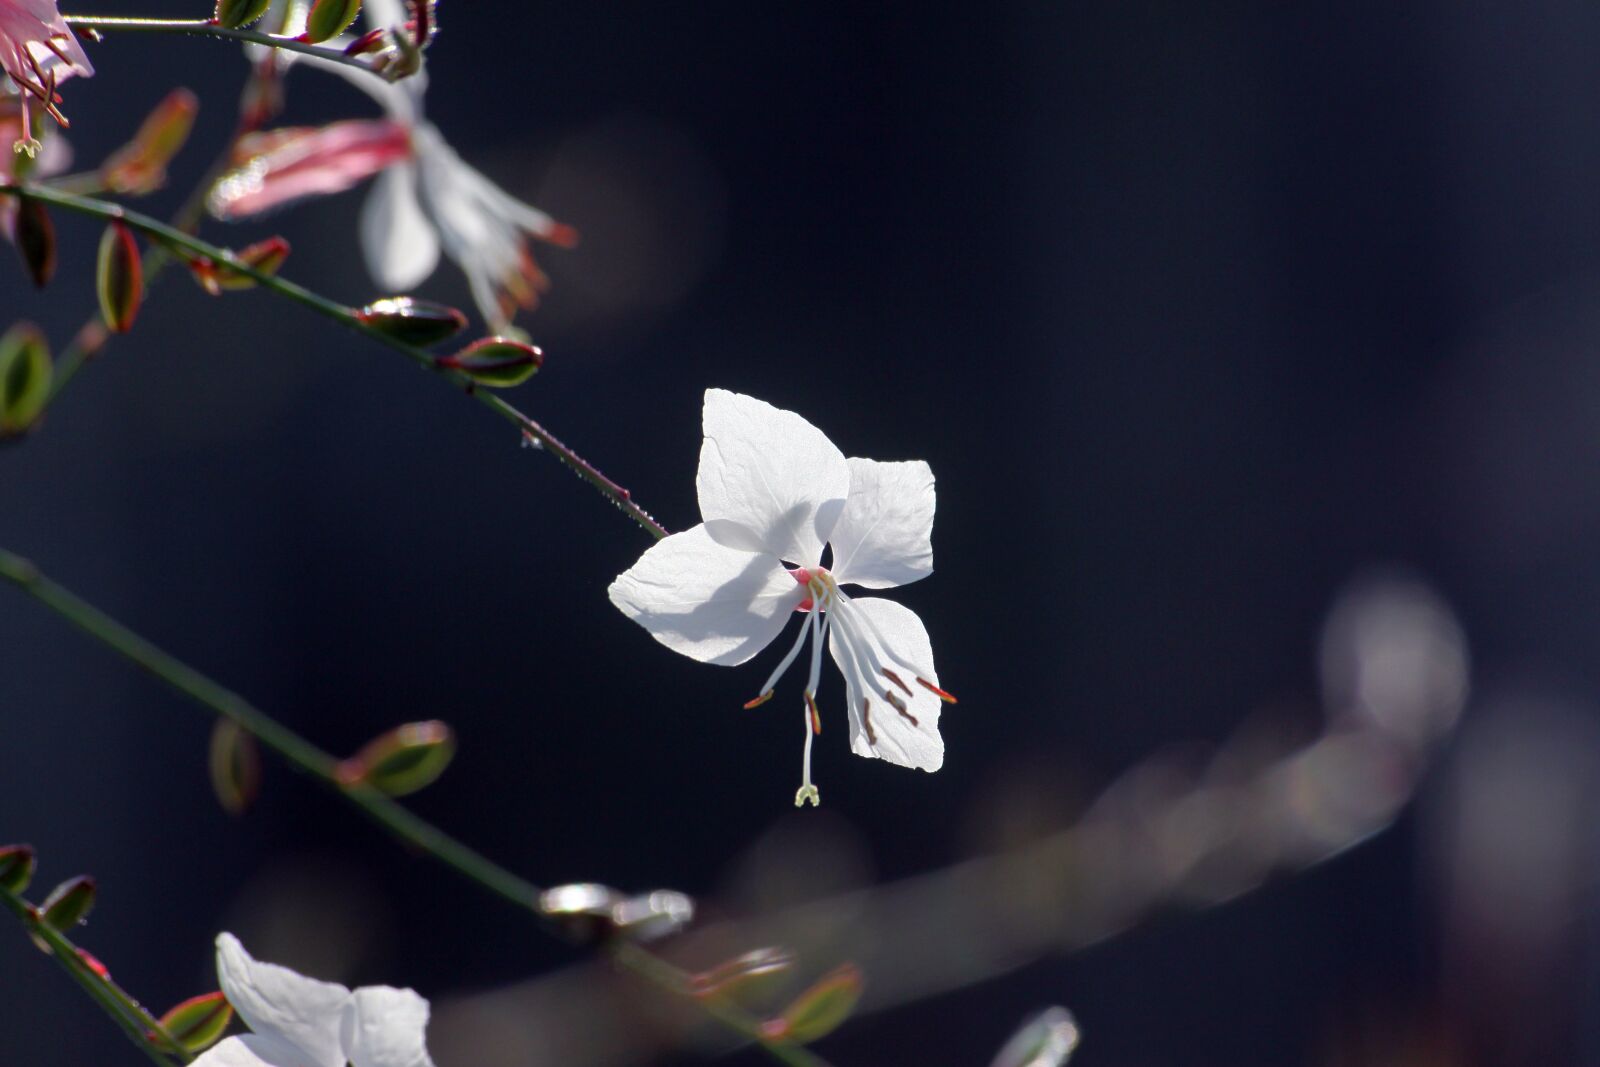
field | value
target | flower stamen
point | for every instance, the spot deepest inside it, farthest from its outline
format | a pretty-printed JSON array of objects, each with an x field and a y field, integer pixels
[
  {"x": 900, "y": 706},
  {"x": 866, "y": 720},
  {"x": 895, "y": 678},
  {"x": 948, "y": 698}
]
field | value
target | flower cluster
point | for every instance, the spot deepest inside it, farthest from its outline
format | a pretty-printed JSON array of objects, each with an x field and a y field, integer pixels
[{"x": 37, "y": 51}]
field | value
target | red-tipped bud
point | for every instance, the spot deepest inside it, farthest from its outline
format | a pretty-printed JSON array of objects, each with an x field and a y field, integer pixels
[
  {"x": 197, "y": 1023},
  {"x": 91, "y": 961},
  {"x": 236, "y": 14},
  {"x": 371, "y": 41},
  {"x": 235, "y": 766},
  {"x": 68, "y": 903},
  {"x": 403, "y": 760},
  {"x": 819, "y": 1010},
  {"x": 25, "y": 373},
  {"x": 328, "y": 18},
  {"x": 498, "y": 362},
  {"x": 16, "y": 867},
  {"x": 140, "y": 166},
  {"x": 416, "y": 322},
  {"x": 119, "y": 278},
  {"x": 424, "y": 20},
  {"x": 35, "y": 238}
]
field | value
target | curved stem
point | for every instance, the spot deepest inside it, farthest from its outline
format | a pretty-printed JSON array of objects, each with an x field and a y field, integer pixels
[
  {"x": 176, "y": 238},
  {"x": 207, "y": 28}
]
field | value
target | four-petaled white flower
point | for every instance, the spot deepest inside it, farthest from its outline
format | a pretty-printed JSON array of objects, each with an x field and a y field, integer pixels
[
  {"x": 37, "y": 50},
  {"x": 300, "y": 1022},
  {"x": 773, "y": 490}
]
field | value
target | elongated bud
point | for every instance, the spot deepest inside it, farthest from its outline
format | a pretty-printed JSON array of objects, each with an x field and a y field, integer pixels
[
  {"x": 16, "y": 867},
  {"x": 1046, "y": 1040},
  {"x": 265, "y": 256},
  {"x": 328, "y": 18},
  {"x": 403, "y": 760},
  {"x": 119, "y": 278},
  {"x": 498, "y": 362},
  {"x": 416, "y": 322},
  {"x": 197, "y": 1023},
  {"x": 68, "y": 903},
  {"x": 140, "y": 166},
  {"x": 35, "y": 238},
  {"x": 237, "y": 14},
  {"x": 235, "y": 766},
  {"x": 742, "y": 973},
  {"x": 819, "y": 1010},
  {"x": 25, "y": 373}
]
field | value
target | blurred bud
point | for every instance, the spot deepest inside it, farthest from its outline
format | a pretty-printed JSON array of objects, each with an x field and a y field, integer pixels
[
  {"x": 140, "y": 166},
  {"x": 497, "y": 362},
  {"x": 416, "y": 322},
  {"x": 16, "y": 867},
  {"x": 742, "y": 973},
  {"x": 198, "y": 1022},
  {"x": 119, "y": 278},
  {"x": 1046, "y": 1040},
  {"x": 819, "y": 1010},
  {"x": 265, "y": 256},
  {"x": 367, "y": 43},
  {"x": 403, "y": 760},
  {"x": 583, "y": 910},
  {"x": 24, "y": 377},
  {"x": 68, "y": 903},
  {"x": 91, "y": 961},
  {"x": 237, "y": 14},
  {"x": 35, "y": 238},
  {"x": 235, "y": 766},
  {"x": 652, "y": 916},
  {"x": 328, "y": 18}
]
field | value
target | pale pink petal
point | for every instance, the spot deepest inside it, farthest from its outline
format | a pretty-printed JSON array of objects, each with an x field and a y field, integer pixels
[{"x": 299, "y": 163}]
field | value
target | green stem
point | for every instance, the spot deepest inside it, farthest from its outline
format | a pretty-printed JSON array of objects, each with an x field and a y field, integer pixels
[
  {"x": 174, "y": 237},
  {"x": 207, "y": 28},
  {"x": 126, "y": 1012}
]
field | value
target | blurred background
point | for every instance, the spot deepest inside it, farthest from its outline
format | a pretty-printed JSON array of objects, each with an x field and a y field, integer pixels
[{"x": 1212, "y": 320}]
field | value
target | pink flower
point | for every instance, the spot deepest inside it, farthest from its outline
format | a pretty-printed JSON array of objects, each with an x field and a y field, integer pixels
[
  {"x": 37, "y": 50},
  {"x": 291, "y": 163}
]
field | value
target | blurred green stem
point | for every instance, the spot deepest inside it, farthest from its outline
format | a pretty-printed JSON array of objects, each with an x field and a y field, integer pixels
[
  {"x": 207, "y": 28},
  {"x": 412, "y": 829}
]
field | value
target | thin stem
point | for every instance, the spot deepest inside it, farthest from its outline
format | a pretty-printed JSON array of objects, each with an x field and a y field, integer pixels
[
  {"x": 126, "y": 1012},
  {"x": 300, "y": 753},
  {"x": 174, "y": 237},
  {"x": 207, "y": 28}
]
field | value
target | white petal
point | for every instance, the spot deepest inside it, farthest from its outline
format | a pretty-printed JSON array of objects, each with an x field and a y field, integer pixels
[
  {"x": 399, "y": 242},
  {"x": 870, "y": 635},
  {"x": 768, "y": 479},
  {"x": 252, "y": 1050},
  {"x": 884, "y": 537},
  {"x": 711, "y": 603},
  {"x": 386, "y": 1028},
  {"x": 282, "y": 1006}
]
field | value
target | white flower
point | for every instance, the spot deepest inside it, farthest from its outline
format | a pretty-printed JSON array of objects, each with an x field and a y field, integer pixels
[
  {"x": 773, "y": 490},
  {"x": 37, "y": 51},
  {"x": 300, "y": 1022}
]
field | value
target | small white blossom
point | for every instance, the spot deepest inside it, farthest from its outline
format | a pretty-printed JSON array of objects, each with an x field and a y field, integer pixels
[
  {"x": 300, "y": 1022},
  {"x": 773, "y": 490}
]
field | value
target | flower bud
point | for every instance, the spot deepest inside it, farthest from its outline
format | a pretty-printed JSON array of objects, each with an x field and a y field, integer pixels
[
  {"x": 498, "y": 362},
  {"x": 742, "y": 973},
  {"x": 119, "y": 278},
  {"x": 819, "y": 1010},
  {"x": 16, "y": 867},
  {"x": 652, "y": 916},
  {"x": 68, "y": 903},
  {"x": 237, "y": 14},
  {"x": 140, "y": 166},
  {"x": 403, "y": 760},
  {"x": 235, "y": 766},
  {"x": 328, "y": 18},
  {"x": 24, "y": 377},
  {"x": 416, "y": 322},
  {"x": 1046, "y": 1040},
  {"x": 198, "y": 1022},
  {"x": 35, "y": 238},
  {"x": 265, "y": 256},
  {"x": 583, "y": 910}
]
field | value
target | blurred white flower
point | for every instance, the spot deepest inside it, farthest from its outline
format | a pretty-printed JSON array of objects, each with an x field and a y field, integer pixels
[
  {"x": 37, "y": 51},
  {"x": 773, "y": 490},
  {"x": 300, "y": 1022}
]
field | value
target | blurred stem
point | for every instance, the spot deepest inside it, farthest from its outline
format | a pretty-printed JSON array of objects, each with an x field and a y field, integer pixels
[
  {"x": 207, "y": 28},
  {"x": 123, "y": 1009},
  {"x": 175, "y": 238},
  {"x": 414, "y": 830}
]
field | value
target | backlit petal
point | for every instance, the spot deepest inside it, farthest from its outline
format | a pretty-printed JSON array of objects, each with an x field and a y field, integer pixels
[
  {"x": 282, "y": 1006},
  {"x": 252, "y": 1050},
  {"x": 386, "y": 1028},
  {"x": 884, "y": 537},
  {"x": 768, "y": 479},
  {"x": 398, "y": 240},
  {"x": 710, "y": 602},
  {"x": 869, "y": 637}
]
